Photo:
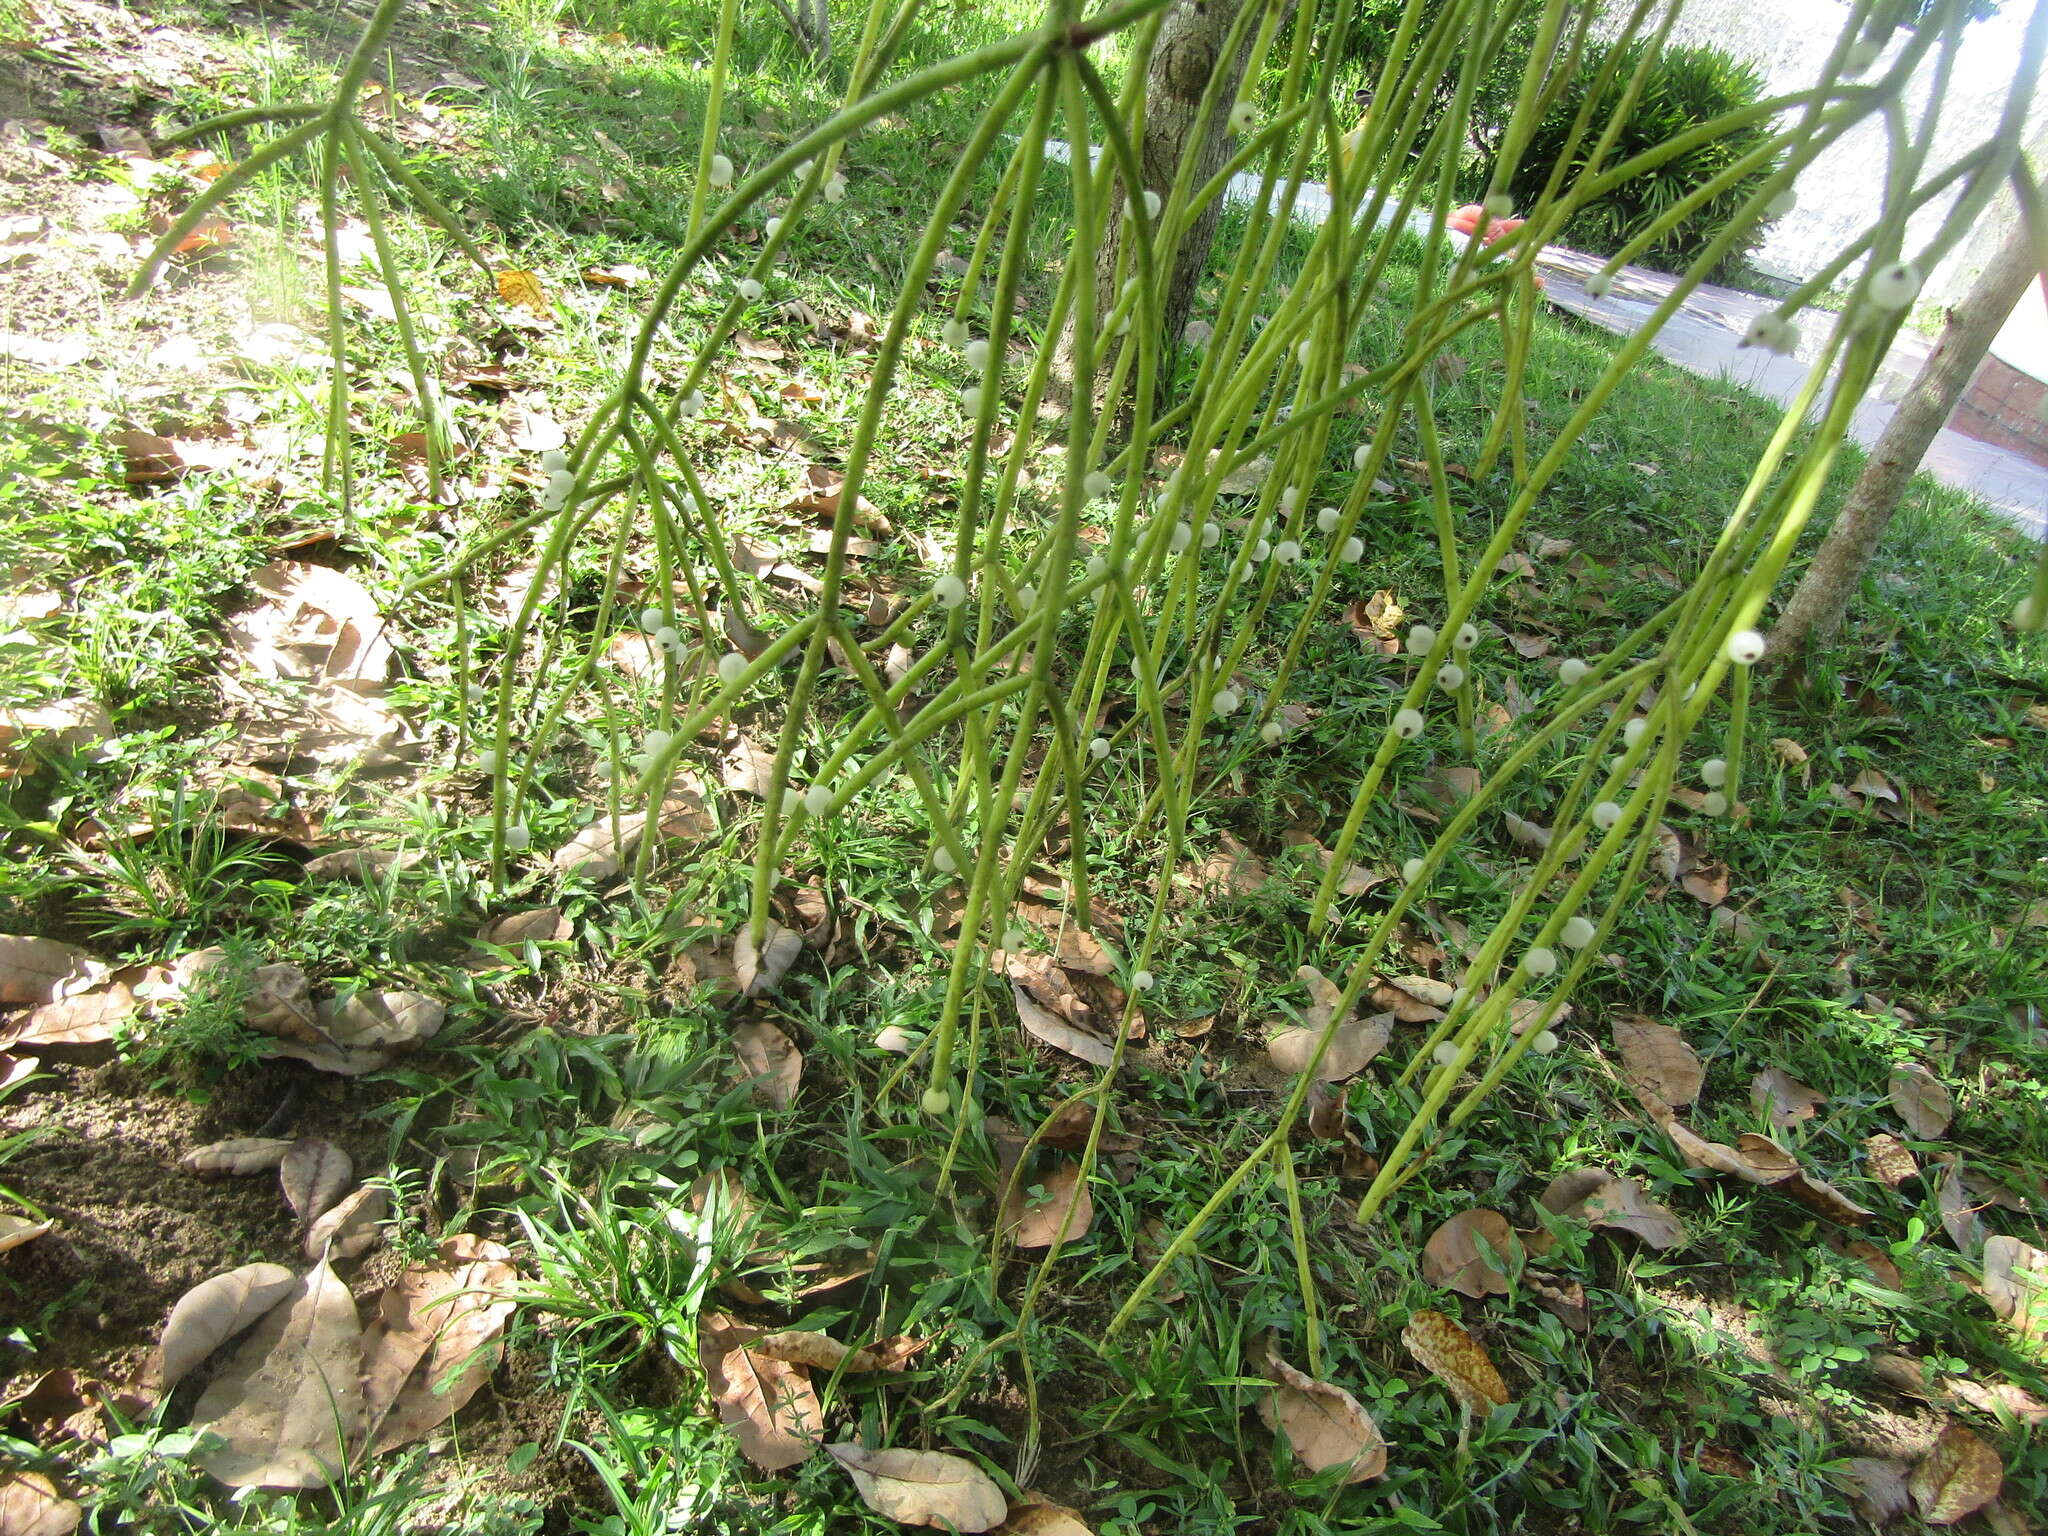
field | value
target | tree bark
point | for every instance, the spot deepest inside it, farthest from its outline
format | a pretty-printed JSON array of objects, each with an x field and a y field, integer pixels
[
  {"x": 1185, "y": 57},
  {"x": 1822, "y": 597}
]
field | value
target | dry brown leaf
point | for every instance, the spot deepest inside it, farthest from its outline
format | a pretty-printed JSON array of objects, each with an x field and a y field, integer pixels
[
  {"x": 1958, "y": 1210},
  {"x": 290, "y": 1402},
  {"x": 601, "y": 849},
  {"x": 435, "y": 1340},
  {"x": 1623, "y": 1205},
  {"x": 767, "y": 1402},
  {"x": 1872, "y": 785},
  {"x": 315, "y": 1173},
  {"x": 36, "y": 971},
  {"x": 1707, "y": 884},
  {"x": 543, "y": 925},
  {"x": 2016, "y": 1285},
  {"x": 1035, "y": 1212},
  {"x": 279, "y": 1003},
  {"x": 1413, "y": 999},
  {"x": 760, "y": 968},
  {"x": 72, "y": 1025},
  {"x": 823, "y": 1353},
  {"x": 1756, "y": 1160},
  {"x": 314, "y": 625},
  {"x": 1232, "y": 870},
  {"x": 349, "y": 1228},
  {"x": 770, "y": 1059},
  {"x": 67, "y": 725},
  {"x": 1473, "y": 1254},
  {"x": 1324, "y": 1425},
  {"x": 1074, "y": 947},
  {"x": 1356, "y": 879},
  {"x": 1354, "y": 1043},
  {"x": 1877, "y": 1261},
  {"x": 31, "y": 1506},
  {"x": 1876, "y": 1487},
  {"x": 210, "y": 1314},
  {"x": 1891, "y": 1163},
  {"x": 1055, "y": 1031},
  {"x": 1042, "y": 1517},
  {"x": 1958, "y": 1477},
  {"x": 1786, "y": 1100},
  {"x": 236, "y": 1158},
  {"x": 1657, "y": 1058},
  {"x": 16, "y": 1230},
  {"x": 381, "y": 1021},
  {"x": 522, "y": 290},
  {"x": 1563, "y": 1299},
  {"x": 923, "y": 1487},
  {"x": 1457, "y": 1360},
  {"x": 1923, "y": 1104}
]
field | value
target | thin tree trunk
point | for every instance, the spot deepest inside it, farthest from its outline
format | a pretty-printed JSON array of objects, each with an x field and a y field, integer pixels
[
  {"x": 1185, "y": 57},
  {"x": 1817, "y": 605}
]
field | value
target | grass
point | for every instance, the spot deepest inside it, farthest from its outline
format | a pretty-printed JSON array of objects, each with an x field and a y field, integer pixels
[{"x": 582, "y": 1099}]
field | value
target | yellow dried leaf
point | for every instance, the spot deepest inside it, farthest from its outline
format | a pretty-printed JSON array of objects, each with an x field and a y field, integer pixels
[
  {"x": 1656, "y": 1058},
  {"x": 1958, "y": 1477},
  {"x": 1456, "y": 1359},
  {"x": 1323, "y": 1424},
  {"x": 522, "y": 290}
]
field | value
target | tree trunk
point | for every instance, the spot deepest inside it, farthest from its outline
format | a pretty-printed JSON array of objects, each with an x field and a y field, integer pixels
[
  {"x": 1823, "y": 594},
  {"x": 1186, "y": 55}
]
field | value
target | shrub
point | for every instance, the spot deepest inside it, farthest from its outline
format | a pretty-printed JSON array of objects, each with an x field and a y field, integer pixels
[{"x": 1686, "y": 87}]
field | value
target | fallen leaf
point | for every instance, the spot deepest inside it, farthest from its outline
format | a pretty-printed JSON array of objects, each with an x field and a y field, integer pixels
[
  {"x": 761, "y": 968},
  {"x": 16, "y": 1230},
  {"x": 435, "y": 1340},
  {"x": 895, "y": 1039},
  {"x": 1353, "y": 1044},
  {"x": 1657, "y": 1058},
  {"x": 1877, "y": 1261},
  {"x": 1707, "y": 884},
  {"x": 238, "y": 1157},
  {"x": 1036, "y": 1212},
  {"x": 1232, "y": 870},
  {"x": 1756, "y": 1160},
  {"x": 1563, "y": 1299},
  {"x": 290, "y": 1402},
  {"x": 35, "y": 971},
  {"x": 2016, "y": 1285},
  {"x": 1623, "y": 1205},
  {"x": 522, "y": 290},
  {"x": 1055, "y": 1031},
  {"x": 1877, "y": 1488},
  {"x": 1356, "y": 879},
  {"x": 923, "y": 1487},
  {"x": 768, "y": 1403},
  {"x": 210, "y": 1314},
  {"x": 31, "y": 1506},
  {"x": 1872, "y": 785},
  {"x": 1958, "y": 1477},
  {"x": 1413, "y": 999},
  {"x": 1923, "y": 1103},
  {"x": 530, "y": 429},
  {"x": 1324, "y": 1425},
  {"x": 1890, "y": 1162},
  {"x": 1473, "y": 1254},
  {"x": 1042, "y": 1517},
  {"x": 823, "y": 1353},
  {"x": 382, "y": 1021},
  {"x": 770, "y": 1060},
  {"x": 1786, "y": 1100},
  {"x": 349, "y": 1228},
  {"x": 601, "y": 849},
  {"x": 1959, "y": 1216},
  {"x": 1457, "y": 1360},
  {"x": 314, "y": 1173},
  {"x": 543, "y": 925}
]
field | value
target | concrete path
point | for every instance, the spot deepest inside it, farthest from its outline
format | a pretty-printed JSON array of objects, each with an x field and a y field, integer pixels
[{"x": 1705, "y": 338}]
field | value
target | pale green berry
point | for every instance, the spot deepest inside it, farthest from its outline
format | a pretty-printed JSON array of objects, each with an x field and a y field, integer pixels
[
  {"x": 1715, "y": 803},
  {"x": 954, "y": 334},
  {"x": 1745, "y": 648},
  {"x": 936, "y": 1101},
  {"x": 1599, "y": 285},
  {"x": 1271, "y": 732},
  {"x": 943, "y": 861},
  {"x": 1411, "y": 870},
  {"x": 657, "y": 742},
  {"x": 1714, "y": 772},
  {"x": 732, "y": 666},
  {"x": 1181, "y": 537},
  {"x": 1013, "y": 939},
  {"x": 1142, "y": 981},
  {"x": 1359, "y": 455},
  {"x": 1226, "y": 701},
  {"x": 517, "y": 837},
  {"x": 487, "y": 761},
  {"x": 1327, "y": 520},
  {"x": 818, "y": 799},
  {"x": 949, "y": 591},
  {"x": 1450, "y": 677},
  {"x": 721, "y": 171},
  {"x": 1633, "y": 731},
  {"x": 1540, "y": 961},
  {"x": 1261, "y": 550},
  {"x": 669, "y": 638},
  {"x": 1352, "y": 552},
  {"x": 1097, "y": 485},
  {"x": 975, "y": 354},
  {"x": 1577, "y": 933},
  {"x": 1243, "y": 118},
  {"x": 771, "y": 228},
  {"x": 1446, "y": 1054},
  {"x": 651, "y": 620},
  {"x": 1894, "y": 286},
  {"x": 1499, "y": 206},
  {"x": 1212, "y": 535},
  {"x": 691, "y": 406},
  {"x": 1572, "y": 671},
  {"x": 970, "y": 400},
  {"x": 1408, "y": 723},
  {"x": 1287, "y": 551},
  {"x": 834, "y": 190},
  {"x": 1466, "y": 637},
  {"x": 1421, "y": 639},
  {"x": 1606, "y": 814},
  {"x": 1544, "y": 1043},
  {"x": 1027, "y": 599},
  {"x": 751, "y": 290},
  {"x": 1099, "y": 748}
]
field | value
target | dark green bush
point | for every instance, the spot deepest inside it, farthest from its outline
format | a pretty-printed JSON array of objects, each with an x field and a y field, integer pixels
[{"x": 1687, "y": 87}]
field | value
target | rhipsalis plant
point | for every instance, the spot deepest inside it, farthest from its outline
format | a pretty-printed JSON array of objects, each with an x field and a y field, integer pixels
[{"x": 1147, "y": 614}]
